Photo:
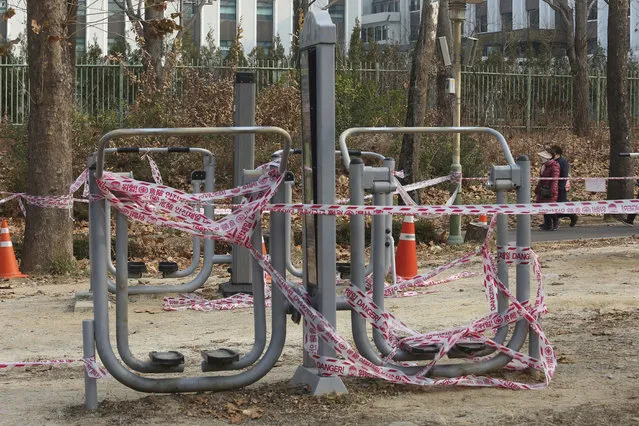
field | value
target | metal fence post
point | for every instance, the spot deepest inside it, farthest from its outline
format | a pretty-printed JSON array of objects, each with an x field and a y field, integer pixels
[
  {"x": 121, "y": 94},
  {"x": 528, "y": 99}
]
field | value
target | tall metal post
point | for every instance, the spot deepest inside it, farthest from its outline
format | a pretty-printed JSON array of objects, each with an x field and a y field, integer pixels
[
  {"x": 317, "y": 57},
  {"x": 243, "y": 159},
  {"x": 457, "y": 15}
]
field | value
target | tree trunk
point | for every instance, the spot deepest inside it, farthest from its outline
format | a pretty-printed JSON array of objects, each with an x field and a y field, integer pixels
[
  {"x": 154, "y": 42},
  {"x": 418, "y": 93},
  {"x": 48, "y": 234},
  {"x": 300, "y": 9},
  {"x": 579, "y": 67},
  {"x": 617, "y": 90},
  {"x": 445, "y": 101}
]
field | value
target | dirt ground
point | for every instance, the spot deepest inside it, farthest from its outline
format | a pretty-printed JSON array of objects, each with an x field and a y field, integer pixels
[{"x": 593, "y": 322}]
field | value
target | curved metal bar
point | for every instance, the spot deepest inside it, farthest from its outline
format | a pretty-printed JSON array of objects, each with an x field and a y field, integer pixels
[
  {"x": 346, "y": 158},
  {"x": 190, "y": 131},
  {"x": 195, "y": 258},
  {"x": 122, "y": 308},
  {"x": 209, "y": 251},
  {"x": 166, "y": 385},
  {"x": 522, "y": 273}
]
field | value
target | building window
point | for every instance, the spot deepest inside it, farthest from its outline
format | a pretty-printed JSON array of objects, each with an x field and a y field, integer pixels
[
  {"x": 507, "y": 21},
  {"x": 533, "y": 19},
  {"x": 265, "y": 23},
  {"x": 380, "y": 6},
  {"x": 228, "y": 22},
  {"x": 337, "y": 10},
  {"x": 79, "y": 28},
  {"x": 481, "y": 23},
  {"x": 593, "y": 12},
  {"x": 414, "y": 5},
  {"x": 116, "y": 27}
]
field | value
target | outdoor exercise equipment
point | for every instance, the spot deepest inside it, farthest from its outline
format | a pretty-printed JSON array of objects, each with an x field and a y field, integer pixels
[
  {"x": 378, "y": 181},
  {"x": 168, "y": 269},
  {"x": 173, "y": 361},
  {"x": 319, "y": 257},
  {"x": 207, "y": 176}
]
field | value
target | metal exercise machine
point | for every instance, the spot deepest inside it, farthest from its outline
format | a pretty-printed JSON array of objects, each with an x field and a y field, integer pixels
[
  {"x": 96, "y": 331},
  {"x": 319, "y": 258},
  {"x": 377, "y": 180},
  {"x": 205, "y": 176}
]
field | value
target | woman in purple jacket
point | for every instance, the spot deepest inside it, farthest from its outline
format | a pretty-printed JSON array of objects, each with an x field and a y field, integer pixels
[{"x": 547, "y": 190}]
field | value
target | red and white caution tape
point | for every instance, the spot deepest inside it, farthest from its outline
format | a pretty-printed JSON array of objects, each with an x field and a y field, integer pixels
[
  {"x": 581, "y": 207},
  {"x": 91, "y": 366},
  {"x": 166, "y": 206}
]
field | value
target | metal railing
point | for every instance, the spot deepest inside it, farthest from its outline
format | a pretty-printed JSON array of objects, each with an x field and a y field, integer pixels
[{"x": 490, "y": 96}]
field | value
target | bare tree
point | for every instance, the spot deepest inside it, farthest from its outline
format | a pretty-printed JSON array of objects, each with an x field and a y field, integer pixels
[
  {"x": 575, "y": 22},
  {"x": 152, "y": 27},
  {"x": 617, "y": 87},
  {"x": 418, "y": 90},
  {"x": 445, "y": 104},
  {"x": 51, "y": 56}
]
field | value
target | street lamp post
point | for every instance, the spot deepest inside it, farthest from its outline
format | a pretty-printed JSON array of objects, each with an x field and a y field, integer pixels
[{"x": 457, "y": 10}]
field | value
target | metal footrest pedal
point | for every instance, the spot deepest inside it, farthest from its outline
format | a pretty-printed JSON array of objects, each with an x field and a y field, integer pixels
[
  {"x": 218, "y": 359},
  {"x": 169, "y": 359}
]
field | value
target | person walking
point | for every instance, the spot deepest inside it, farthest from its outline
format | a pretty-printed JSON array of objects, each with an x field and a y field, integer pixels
[
  {"x": 547, "y": 190},
  {"x": 563, "y": 184}
]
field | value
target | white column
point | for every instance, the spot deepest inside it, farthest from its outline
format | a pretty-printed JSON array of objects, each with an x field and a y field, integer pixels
[
  {"x": 519, "y": 14},
  {"x": 210, "y": 23},
  {"x": 247, "y": 16},
  {"x": 97, "y": 23},
  {"x": 494, "y": 17},
  {"x": 602, "y": 24},
  {"x": 283, "y": 20},
  {"x": 352, "y": 12}
]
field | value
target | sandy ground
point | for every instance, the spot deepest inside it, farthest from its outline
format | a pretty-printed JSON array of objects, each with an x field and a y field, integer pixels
[{"x": 593, "y": 323}]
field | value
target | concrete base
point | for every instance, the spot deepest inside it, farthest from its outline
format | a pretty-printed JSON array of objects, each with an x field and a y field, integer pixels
[
  {"x": 476, "y": 232},
  {"x": 229, "y": 289},
  {"x": 83, "y": 306},
  {"x": 318, "y": 385},
  {"x": 83, "y": 301}
]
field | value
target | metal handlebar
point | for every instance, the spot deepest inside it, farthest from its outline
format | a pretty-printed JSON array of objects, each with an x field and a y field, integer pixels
[
  {"x": 629, "y": 154},
  {"x": 401, "y": 130},
  {"x": 190, "y": 131}
]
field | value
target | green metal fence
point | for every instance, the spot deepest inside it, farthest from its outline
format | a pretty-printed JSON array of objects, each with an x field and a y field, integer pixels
[{"x": 490, "y": 97}]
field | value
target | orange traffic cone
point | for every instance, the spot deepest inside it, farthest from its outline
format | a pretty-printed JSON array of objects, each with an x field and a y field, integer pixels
[
  {"x": 8, "y": 261},
  {"x": 483, "y": 219},
  {"x": 406, "y": 255},
  {"x": 267, "y": 277}
]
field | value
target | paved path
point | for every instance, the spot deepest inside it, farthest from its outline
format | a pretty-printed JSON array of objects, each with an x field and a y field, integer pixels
[{"x": 565, "y": 233}]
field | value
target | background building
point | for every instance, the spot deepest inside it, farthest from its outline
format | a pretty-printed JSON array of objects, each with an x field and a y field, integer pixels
[{"x": 498, "y": 23}]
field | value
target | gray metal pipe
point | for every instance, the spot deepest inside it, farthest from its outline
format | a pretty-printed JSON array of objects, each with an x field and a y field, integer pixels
[
  {"x": 88, "y": 352},
  {"x": 288, "y": 198},
  {"x": 357, "y": 230},
  {"x": 195, "y": 258},
  {"x": 209, "y": 250},
  {"x": 190, "y": 131},
  {"x": 502, "y": 273},
  {"x": 122, "y": 306},
  {"x": 522, "y": 274},
  {"x": 97, "y": 244},
  {"x": 259, "y": 312},
  {"x": 346, "y": 158}
]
